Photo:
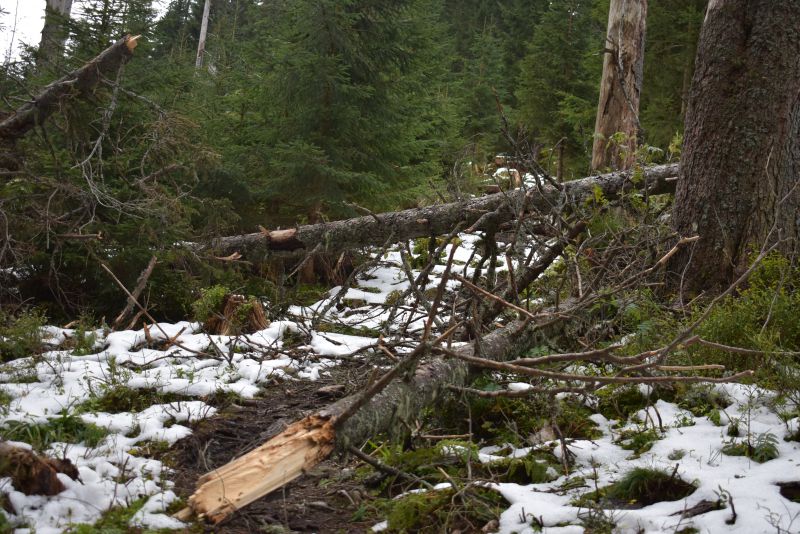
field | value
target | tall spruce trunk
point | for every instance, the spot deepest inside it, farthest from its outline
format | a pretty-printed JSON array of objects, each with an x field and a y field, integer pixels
[
  {"x": 621, "y": 85},
  {"x": 738, "y": 184},
  {"x": 54, "y": 32}
]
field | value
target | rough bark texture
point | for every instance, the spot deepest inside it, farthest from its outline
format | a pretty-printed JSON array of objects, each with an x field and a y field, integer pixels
[
  {"x": 439, "y": 219},
  {"x": 77, "y": 83},
  {"x": 741, "y": 159},
  {"x": 404, "y": 400},
  {"x": 621, "y": 84},
  {"x": 54, "y": 32}
]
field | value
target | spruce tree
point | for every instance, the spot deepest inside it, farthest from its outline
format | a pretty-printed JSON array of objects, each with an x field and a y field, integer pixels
[
  {"x": 352, "y": 105},
  {"x": 558, "y": 83}
]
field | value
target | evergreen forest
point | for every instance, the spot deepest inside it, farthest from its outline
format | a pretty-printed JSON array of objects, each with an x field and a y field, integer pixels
[{"x": 405, "y": 266}]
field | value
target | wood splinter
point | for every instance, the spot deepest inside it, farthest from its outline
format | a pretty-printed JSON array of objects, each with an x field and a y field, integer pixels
[{"x": 274, "y": 464}]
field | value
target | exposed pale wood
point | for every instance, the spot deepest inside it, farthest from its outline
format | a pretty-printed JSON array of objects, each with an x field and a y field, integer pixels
[
  {"x": 229, "y": 322},
  {"x": 276, "y": 463},
  {"x": 141, "y": 282},
  {"x": 201, "y": 43},
  {"x": 620, "y": 85},
  {"x": 309, "y": 441},
  {"x": 375, "y": 230}
]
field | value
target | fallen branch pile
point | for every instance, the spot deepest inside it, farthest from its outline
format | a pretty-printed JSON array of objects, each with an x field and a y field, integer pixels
[{"x": 420, "y": 378}]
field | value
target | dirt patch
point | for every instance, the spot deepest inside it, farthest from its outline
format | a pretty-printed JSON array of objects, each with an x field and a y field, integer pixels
[
  {"x": 326, "y": 500},
  {"x": 790, "y": 490}
]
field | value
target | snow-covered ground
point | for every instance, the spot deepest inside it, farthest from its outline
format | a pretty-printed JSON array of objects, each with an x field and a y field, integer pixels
[
  {"x": 696, "y": 451},
  {"x": 58, "y": 383},
  {"x": 195, "y": 365}
]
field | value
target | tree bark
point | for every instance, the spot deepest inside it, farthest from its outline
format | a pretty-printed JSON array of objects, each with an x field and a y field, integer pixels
[
  {"x": 375, "y": 230},
  {"x": 310, "y": 440},
  {"x": 54, "y": 32},
  {"x": 620, "y": 85},
  {"x": 741, "y": 159},
  {"x": 77, "y": 83},
  {"x": 201, "y": 43}
]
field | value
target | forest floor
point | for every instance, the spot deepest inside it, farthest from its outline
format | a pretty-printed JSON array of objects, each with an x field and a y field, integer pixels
[{"x": 142, "y": 414}]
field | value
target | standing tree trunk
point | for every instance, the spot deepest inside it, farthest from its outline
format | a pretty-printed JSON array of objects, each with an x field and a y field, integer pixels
[
  {"x": 621, "y": 85},
  {"x": 738, "y": 184},
  {"x": 54, "y": 32},
  {"x": 201, "y": 43}
]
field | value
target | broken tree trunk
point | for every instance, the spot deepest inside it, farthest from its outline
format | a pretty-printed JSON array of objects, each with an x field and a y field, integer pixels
[
  {"x": 620, "y": 86},
  {"x": 77, "y": 83},
  {"x": 309, "y": 441},
  {"x": 375, "y": 230},
  {"x": 201, "y": 44},
  {"x": 238, "y": 314}
]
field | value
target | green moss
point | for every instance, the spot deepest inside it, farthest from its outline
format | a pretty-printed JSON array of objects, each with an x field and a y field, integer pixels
[
  {"x": 394, "y": 297},
  {"x": 117, "y": 521},
  {"x": 640, "y": 487},
  {"x": 84, "y": 338},
  {"x": 620, "y": 402},
  {"x": 63, "y": 429},
  {"x": 118, "y": 399},
  {"x": 444, "y": 511},
  {"x": 209, "y": 303},
  {"x": 762, "y": 317},
  {"x": 638, "y": 440},
  {"x": 421, "y": 251},
  {"x": 517, "y": 420},
  {"x": 703, "y": 400},
  {"x": 535, "y": 468},
  {"x": 308, "y": 294}
]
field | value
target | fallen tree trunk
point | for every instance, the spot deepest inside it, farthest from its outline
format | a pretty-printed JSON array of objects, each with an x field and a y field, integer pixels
[
  {"x": 312, "y": 439},
  {"x": 77, "y": 83},
  {"x": 375, "y": 230}
]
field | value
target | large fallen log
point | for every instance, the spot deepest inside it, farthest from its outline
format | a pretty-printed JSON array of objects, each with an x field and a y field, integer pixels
[
  {"x": 79, "y": 82},
  {"x": 312, "y": 439},
  {"x": 375, "y": 230}
]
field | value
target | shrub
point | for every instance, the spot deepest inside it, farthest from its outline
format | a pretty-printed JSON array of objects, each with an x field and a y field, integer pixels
[
  {"x": 20, "y": 336},
  {"x": 209, "y": 303},
  {"x": 763, "y": 449},
  {"x": 762, "y": 317}
]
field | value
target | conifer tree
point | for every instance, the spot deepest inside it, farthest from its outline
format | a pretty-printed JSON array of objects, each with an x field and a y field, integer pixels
[
  {"x": 350, "y": 104},
  {"x": 558, "y": 87}
]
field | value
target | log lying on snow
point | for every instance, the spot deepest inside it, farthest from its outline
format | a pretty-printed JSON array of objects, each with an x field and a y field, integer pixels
[
  {"x": 78, "y": 82},
  {"x": 375, "y": 230},
  {"x": 309, "y": 441}
]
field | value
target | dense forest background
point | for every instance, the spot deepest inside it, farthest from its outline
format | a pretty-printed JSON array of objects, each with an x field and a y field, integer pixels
[{"x": 302, "y": 111}]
